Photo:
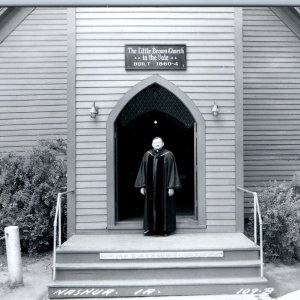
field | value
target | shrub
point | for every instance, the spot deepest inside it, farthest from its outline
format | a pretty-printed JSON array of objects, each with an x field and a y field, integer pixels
[
  {"x": 281, "y": 227},
  {"x": 29, "y": 184}
]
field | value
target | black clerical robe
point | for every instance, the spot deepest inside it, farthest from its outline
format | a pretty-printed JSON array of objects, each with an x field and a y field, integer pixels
[{"x": 158, "y": 173}]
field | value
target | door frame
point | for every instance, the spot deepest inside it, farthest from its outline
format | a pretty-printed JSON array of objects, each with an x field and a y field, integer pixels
[{"x": 200, "y": 148}]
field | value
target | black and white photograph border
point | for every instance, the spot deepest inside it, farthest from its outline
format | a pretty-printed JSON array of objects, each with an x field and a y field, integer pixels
[{"x": 149, "y": 149}]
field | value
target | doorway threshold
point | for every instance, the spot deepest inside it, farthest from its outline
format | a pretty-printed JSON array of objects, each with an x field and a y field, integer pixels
[{"x": 184, "y": 222}]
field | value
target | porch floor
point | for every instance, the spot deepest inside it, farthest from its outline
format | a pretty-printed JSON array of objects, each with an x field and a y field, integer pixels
[{"x": 125, "y": 242}]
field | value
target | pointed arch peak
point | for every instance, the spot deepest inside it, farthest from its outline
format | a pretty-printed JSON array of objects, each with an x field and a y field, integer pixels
[{"x": 161, "y": 81}]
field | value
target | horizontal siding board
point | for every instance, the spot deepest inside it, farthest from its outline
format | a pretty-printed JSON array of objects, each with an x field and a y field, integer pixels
[
  {"x": 220, "y": 216},
  {"x": 221, "y": 209},
  {"x": 34, "y": 55},
  {"x": 91, "y": 204},
  {"x": 91, "y": 178},
  {"x": 100, "y": 199},
  {"x": 223, "y": 228},
  {"x": 36, "y": 44},
  {"x": 219, "y": 174},
  {"x": 188, "y": 78},
  {"x": 220, "y": 223},
  {"x": 36, "y": 71},
  {"x": 88, "y": 185},
  {"x": 20, "y": 144},
  {"x": 90, "y": 226},
  {"x": 162, "y": 21},
  {"x": 90, "y": 164},
  {"x": 218, "y": 169},
  {"x": 91, "y": 218},
  {"x": 94, "y": 157},
  {"x": 106, "y": 44},
  {"x": 150, "y": 28},
  {"x": 30, "y": 127},
  {"x": 23, "y": 138},
  {"x": 38, "y": 27},
  {"x": 220, "y": 182},
  {"x": 154, "y": 15},
  {"x": 38, "y": 33},
  {"x": 217, "y": 188},
  {"x": 94, "y": 211},
  {"x": 8, "y": 135},
  {"x": 219, "y": 162},
  {"x": 91, "y": 171},
  {"x": 32, "y": 110},
  {"x": 216, "y": 203},
  {"x": 24, "y": 121},
  {"x": 107, "y": 9},
  {"x": 91, "y": 191},
  {"x": 269, "y": 38},
  {"x": 192, "y": 70}
]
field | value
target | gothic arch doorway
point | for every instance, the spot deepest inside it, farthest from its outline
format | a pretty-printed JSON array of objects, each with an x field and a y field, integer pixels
[
  {"x": 154, "y": 111},
  {"x": 130, "y": 129}
]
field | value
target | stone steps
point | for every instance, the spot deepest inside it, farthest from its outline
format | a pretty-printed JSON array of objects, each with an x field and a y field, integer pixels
[
  {"x": 158, "y": 270},
  {"x": 68, "y": 256},
  {"x": 134, "y": 266},
  {"x": 162, "y": 287}
]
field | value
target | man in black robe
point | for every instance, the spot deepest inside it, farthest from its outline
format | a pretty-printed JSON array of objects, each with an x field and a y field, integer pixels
[{"x": 157, "y": 178}]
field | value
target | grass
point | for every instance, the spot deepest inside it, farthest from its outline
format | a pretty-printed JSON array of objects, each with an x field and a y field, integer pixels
[
  {"x": 283, "y": 278},
  {"x": 36, "y": 276}
]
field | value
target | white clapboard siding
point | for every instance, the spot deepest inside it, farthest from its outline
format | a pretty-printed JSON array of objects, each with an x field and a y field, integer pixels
[
  {"x": 33, "y": 80},
  {"x": 271, "y": 100},
  {"x": 209, "y": 34}
]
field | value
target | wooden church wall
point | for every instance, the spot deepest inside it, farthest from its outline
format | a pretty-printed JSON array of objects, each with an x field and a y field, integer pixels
[
  {"x": 271, "y": 99},
  {"x": 209, "y": 34},
  {"x": 33, "y": 92},
  {"x": 33, "y": 80}
]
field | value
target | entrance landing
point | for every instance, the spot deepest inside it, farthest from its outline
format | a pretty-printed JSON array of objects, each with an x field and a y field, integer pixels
[{"x": 138, "y": 242}]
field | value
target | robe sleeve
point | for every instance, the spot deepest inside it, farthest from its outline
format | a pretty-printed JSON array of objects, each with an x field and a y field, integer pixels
[
  {"x": 141, "y": 179},
  {"x": 173, "y": 177}
]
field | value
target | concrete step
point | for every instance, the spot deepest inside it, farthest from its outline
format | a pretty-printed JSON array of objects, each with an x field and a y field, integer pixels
[
  {"x": 158, "y": 270},
  {"x": 153, "y": 287},
  {"x": 73, "y": 256}
]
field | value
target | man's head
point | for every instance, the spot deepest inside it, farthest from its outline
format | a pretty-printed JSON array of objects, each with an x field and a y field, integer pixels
[{"x": 157, "y": 143}]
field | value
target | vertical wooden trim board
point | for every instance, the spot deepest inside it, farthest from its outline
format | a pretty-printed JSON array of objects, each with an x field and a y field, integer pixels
[
  {"x": 239, "y": 118},
  {"x": 71, "y": 163}
]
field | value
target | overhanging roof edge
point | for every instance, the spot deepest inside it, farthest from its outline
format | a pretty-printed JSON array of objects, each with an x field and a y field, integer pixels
[
  {"x": 107, "y": 3},
  {"x": 290, "y": 17},
  {"x": 12, "y": 19}
]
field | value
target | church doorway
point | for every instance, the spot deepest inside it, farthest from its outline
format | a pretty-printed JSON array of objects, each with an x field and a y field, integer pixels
[{"x": 154, "y": 111}]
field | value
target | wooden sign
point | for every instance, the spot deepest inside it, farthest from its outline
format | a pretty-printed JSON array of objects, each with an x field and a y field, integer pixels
[
  {"x": 155, "y": 57},
  {"x": 151, "y": 255}
]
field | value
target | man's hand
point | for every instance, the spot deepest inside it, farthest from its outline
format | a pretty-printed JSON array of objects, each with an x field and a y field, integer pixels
[
  {"x": 143, "y": 191},
  {"x": 171, "y": 192}
]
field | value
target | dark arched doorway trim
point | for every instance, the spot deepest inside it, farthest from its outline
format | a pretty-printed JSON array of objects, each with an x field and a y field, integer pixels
[{"x": 200, "y": 146}]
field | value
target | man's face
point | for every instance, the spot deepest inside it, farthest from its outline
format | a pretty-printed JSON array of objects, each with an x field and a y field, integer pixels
[{"x": 157, "y": 144}]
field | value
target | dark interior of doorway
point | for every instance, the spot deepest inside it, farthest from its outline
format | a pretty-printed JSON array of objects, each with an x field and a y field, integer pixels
[{"x": 133, "y": 139}]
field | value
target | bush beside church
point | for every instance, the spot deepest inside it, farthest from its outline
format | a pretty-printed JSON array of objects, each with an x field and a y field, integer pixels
[
  {"x": 29, "y": 184},
  {"x": 280, "y": 207}
]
